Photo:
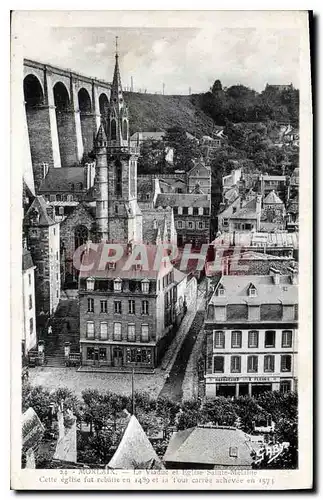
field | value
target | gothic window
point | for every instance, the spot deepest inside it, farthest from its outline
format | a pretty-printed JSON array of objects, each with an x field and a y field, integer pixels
[
  {"x": 80, "y": 236},
  {"x": 118, "y": 185},
  {"x": 113, "y": 130},
  {"x": 125, "y": 130}
]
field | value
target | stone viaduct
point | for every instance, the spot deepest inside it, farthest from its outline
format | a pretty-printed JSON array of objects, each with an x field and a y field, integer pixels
[{"x": 63, "y": 113}]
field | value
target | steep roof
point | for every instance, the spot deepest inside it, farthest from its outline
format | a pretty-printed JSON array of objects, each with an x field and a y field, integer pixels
[
  {"x": 59, "y": 179},
  {"x": 149, "y": 255},
  {"x": 248, "y": 211},
  {"x": 236, "y": 290},
  {"x": 27, "y": 261},
  {"x": 210, "y": 446},
  {"x": 182, "y": 200},
  {"x": 32, "y": 429},
  {"x": 153, "y": 221},
  {"x": 39, "y": 205},
  {"x": 272, "y": 198},
  {"x": 135, "y": 450}
]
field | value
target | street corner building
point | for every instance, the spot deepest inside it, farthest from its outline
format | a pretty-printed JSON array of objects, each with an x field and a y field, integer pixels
[
  {"x": 127, "y": 316},
  {"x": 251, "y": 330}
]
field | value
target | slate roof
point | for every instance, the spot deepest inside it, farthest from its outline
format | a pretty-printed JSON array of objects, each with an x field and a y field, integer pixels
[
  {"x": 135, "y": 450},
  {"x": 248, "y": 211},
  {"x": 182, "y": 200},
  {"x": 59, "y": 179},
  {"x": 236, "y": 290},
  {"x": 41, "y": 206},
  {"x": 210, "y": 446},
  {"x": 257, "y": 239},
  {"x": 147, "y": 271},
  {"x": 162, "y": 217},
  {"x": 272, "y": 198},
  {"x": 32, "y": 429},
  {"x": 27, "y": 261}
]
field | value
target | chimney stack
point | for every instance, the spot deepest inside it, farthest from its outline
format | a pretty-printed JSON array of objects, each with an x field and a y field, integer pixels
[
  {"x": 293, "y": 275},
  {"x": 275, "y": 274}
]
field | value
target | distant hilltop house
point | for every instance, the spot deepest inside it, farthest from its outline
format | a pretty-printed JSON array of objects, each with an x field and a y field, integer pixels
[
  {"x": 279, "y": 88},
  {"x": 211, "y": 447}
]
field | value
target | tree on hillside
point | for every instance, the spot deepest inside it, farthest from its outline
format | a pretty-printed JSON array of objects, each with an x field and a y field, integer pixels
[
  {"x": 216, "y": 87},
  {"x": 186, "y": 150},
  {"x": 152, "y": 156}
]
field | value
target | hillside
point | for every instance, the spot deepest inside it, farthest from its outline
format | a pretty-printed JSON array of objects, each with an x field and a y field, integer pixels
[{"x": 158, "y": 112}]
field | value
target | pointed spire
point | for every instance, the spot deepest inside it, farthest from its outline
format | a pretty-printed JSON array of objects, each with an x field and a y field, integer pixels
[{"x": 116, "y": 88}]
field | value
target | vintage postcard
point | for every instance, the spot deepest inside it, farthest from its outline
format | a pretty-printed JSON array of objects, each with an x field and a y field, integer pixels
[{"x": 161, "y": 250}]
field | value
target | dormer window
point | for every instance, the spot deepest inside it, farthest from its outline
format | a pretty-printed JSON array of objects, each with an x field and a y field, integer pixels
[
  {"x": 117, "y": 285},
  {"x": 90, "y": 284},
  {"x": 145, "y": 286},
  {"x": 111, "y": 265},
  {"x": 233, "y": 451},
  {"x": 252, "y": 291},
  {"x": 221, "y": 291}
]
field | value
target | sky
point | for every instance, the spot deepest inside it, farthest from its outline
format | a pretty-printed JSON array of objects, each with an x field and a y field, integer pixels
[{"x": 181, "y": 58}]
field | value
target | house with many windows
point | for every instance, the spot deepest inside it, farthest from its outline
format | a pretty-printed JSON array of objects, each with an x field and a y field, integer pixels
[
  {"x": 127, "y": 312},
  {"x": 251, "y": 331}
]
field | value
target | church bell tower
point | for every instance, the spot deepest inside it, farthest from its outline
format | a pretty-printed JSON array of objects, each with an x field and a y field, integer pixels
[{"x": 119, "y": 181}]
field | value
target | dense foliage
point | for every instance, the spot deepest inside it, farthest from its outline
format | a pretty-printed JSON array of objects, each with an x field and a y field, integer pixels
[{"x": 102, "y": 417}]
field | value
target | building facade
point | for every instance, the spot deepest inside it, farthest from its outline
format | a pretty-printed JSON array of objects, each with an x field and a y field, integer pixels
[
  {"x": 29, "y": 335},
  {"x": 43, "y": 241},
  {"x": 251, "y": 330},
  {"x": 127, "y": 316}
]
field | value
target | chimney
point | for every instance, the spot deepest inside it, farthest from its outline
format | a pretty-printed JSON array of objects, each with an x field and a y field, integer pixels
[
  {"x": 258, "y": 204},
  {"x": 293, "y": 275},
  {"x": 275, "y": 274}
]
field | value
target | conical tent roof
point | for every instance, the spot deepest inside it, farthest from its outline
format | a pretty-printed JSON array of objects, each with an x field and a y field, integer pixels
[{"x": 135, "y": 450}]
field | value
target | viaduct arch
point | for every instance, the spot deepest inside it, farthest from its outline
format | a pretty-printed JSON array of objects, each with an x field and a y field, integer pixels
[{"x": 63, "y": 113}]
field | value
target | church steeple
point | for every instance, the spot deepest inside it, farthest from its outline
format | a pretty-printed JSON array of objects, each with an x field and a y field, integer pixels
[{"x": 118, "y": 124}]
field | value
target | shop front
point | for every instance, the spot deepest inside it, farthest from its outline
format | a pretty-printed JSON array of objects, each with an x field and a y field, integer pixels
[
  {"x": 245, "y": 386},
  {"x": 117, "y": 356}
]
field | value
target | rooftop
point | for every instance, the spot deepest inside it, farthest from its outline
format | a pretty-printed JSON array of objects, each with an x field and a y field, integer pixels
[
  {"x": 257, "y": 239},
  {"x": 272, "y": 198},
  {"x": 27, "y": 261},
  {"x": 59, "y": 179},
  {"x": 39, "y": 209},
  {"x": 135, "y": 450},
  {"x": 149, "y": 257},
  {"x": 182, "y": 200},
  {"x": 211, "y": 446},
  {"x": 236, "y": 290}
]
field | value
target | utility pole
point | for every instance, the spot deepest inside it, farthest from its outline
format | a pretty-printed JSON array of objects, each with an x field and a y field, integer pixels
[
  {"x": 131, "y": 86},
  {"x": 163, "y": 89},
  {"x": 189, "y": 90},
  {"x": 133, "y": 390}
]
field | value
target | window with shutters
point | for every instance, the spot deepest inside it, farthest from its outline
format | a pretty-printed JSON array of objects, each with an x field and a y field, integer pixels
[
  {"x": 131, "y": 332},
  {"x": 117, "y": 307},
  {"x": 270, "y": 338},
  {"x": 132, "y": 307},
  {"x": 218, "y": 364},
  {"x": 285, "y": 363},
  {"x": 90, "y": 305},
  {"x": 269, "y": 363},
  {"x": 117, "y": 331},
  {"x": 286, "y": 338},
  {"x": 236, "y": 339},
  {"x": 145, "y": 286},
  {"x": 219, "y": 340},
  {"x": 90, "y": 329},
  {"x": 144, "y": 333},
  {"x": 145, "y": 307},
  {"x": 103, "y": 306},
  {"x": 117, "y": 285},
  {"x": 252, "y": 365},
  {"x": 253, "y": 339},
  {"x": 103, "y": 330},
  {"x": 235, "y": 364}
]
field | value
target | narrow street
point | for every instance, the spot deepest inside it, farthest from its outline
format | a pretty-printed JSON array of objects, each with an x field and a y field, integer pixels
[{"x": 173, "y": 386}]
